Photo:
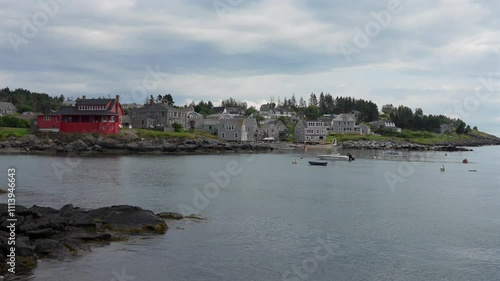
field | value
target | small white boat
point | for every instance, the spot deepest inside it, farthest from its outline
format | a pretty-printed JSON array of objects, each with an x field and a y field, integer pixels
[
  {"x": 335, "y": 156},
  {"x": 442, "y": 169},
  {"x": 294, "y": 161}
]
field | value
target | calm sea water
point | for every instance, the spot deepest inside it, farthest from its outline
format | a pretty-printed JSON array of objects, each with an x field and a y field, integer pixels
[{"x": 389, "y": 218}]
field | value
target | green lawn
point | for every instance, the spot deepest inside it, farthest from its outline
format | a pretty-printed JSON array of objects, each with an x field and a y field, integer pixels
[
  {"x": 146, "y": 133},
  {"x": 421, "y": 137},
  {"x": 6, "y": 132}
]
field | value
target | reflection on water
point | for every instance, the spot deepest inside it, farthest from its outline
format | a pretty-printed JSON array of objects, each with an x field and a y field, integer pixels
[{"x": 432, "y": 225}]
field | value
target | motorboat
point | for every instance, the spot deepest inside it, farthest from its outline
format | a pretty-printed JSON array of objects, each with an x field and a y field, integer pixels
[
  {"x": 335, "y": 155},
  {"x": 316, "y": 163}
]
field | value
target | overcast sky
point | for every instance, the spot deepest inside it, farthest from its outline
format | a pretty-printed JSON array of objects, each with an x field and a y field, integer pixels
[{"x": 440, "y": 55}]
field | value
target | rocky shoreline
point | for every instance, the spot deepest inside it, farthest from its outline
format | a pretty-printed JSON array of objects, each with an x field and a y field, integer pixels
[
  {"x": 44, "y": 232},
  {"x": 400, "y": 145},
  {"x": 64, "y": 143},
  {"x": 130, "y": 143}
]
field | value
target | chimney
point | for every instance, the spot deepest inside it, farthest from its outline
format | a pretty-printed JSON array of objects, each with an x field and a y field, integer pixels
[
  {"x": 84, "y": 97},
  {"x": 117, "y": 98}
]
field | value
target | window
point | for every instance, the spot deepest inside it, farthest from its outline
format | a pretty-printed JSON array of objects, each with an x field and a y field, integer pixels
[
  {"x": 57, "y": 119},
  {"x": 163, "y": 114},
  {"x": 229, "y": 127},
  {"x": 317, "y": 131},
  {"x": 142, "y": 122},
  {"x": 47, "y": 118},
  {"x": 223, "y": 135},
  {"x": 112, "y": 119},
  {"x": 104, "y": 119},
  {"x": 235, "y": 135}
]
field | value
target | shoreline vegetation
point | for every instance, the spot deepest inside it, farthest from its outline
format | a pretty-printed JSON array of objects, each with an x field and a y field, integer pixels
[{"x": 14, "y": 140}]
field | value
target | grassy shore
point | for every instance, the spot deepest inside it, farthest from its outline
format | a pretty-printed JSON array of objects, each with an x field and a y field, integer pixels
[
  {"x": 6, "y": 132},
  {"x": 420, "y": 137},
  {"x": 145, "y": 133}
]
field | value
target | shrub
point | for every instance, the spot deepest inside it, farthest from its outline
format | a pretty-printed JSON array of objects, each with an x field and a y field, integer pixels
[
  {"x": 177, "y": 127},
  {"x": 13, "y": 122}
]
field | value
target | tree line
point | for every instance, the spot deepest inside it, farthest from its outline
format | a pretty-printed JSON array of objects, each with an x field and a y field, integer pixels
[
  {"x": 405, "y": 118},
  {"x": 316, "y": 106},
  {"x": 26, "y": 100}
]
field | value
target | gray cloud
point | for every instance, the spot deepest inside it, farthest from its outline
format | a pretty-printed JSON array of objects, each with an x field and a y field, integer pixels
[{"x": 258, "y": 49}]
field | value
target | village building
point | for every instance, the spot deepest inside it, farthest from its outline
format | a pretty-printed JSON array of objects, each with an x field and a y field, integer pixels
[{"x": 103, "y": 116}]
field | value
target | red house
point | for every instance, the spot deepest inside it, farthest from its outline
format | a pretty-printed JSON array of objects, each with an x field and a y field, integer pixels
[{"x": 103, "y": 116}]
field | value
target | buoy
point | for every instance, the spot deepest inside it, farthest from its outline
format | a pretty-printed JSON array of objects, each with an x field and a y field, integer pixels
[
  {"x": 465, "y": 161},
  {"x": 442, "y": 169}
]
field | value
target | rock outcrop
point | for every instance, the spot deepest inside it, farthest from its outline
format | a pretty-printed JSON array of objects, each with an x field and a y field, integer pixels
[
  {"x": 399, "y": 145},
  {"x": 43, "y": 232}
]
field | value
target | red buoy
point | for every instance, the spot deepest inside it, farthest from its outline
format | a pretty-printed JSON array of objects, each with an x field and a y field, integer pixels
[{"x": 465, "y": 161}]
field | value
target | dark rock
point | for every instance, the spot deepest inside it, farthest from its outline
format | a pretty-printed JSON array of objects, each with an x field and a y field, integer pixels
[
  {"x": 77, "y": 216},
  {"x": 91, "y": 237},
  {"x": 42, "y": 233},
  {"x": 75, "y": 246},
  {"x": 58, "y": 223},
  {"x": 50, "y": 233},
  {"x": 34, "y": 224},
  {"x": 129, "y": 219},
  {"x": 89, "y": 140},
  {"x": 23, "y": 249},
  {"x": 170, "y": 216},
  {"x": 43, "y": 210},
  {"x": 49, "y": 248}
]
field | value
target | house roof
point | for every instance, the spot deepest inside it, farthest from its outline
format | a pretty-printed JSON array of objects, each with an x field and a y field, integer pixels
[
  {"x": 72, "y": 110},
  {"x": 218, "y": 109},
  {"x": 343, "y": 117},
  {"x": 94, "y": 102},
  {"x": 159, "y": 107},
  {"x": 7, "y": 106},
  {"x": 210, "y": 122},
  {"x": 248, "y": 122},
  {"x": 265, "y": 107}
]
